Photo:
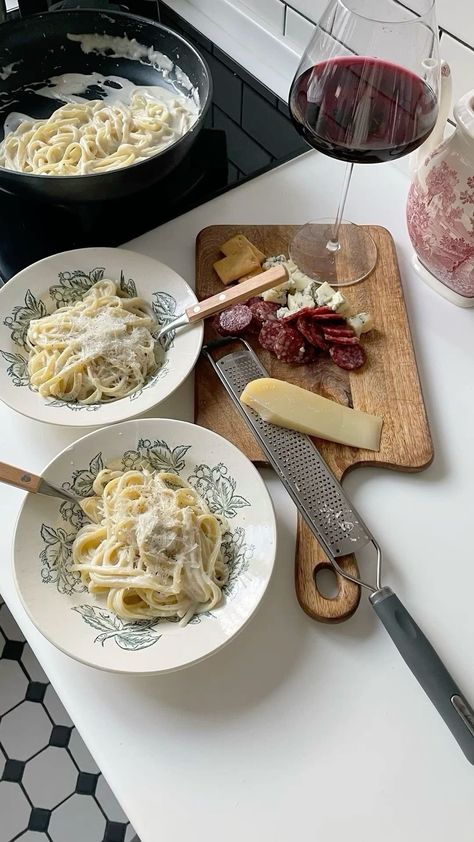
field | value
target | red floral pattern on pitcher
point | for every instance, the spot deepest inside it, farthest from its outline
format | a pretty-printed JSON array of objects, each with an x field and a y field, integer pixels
[{"x": 440, "y": 218}]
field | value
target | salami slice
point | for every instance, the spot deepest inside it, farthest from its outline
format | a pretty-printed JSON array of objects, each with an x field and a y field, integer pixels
[
  {"x": 290, "y": 345},
  {"x": 329, "y": 318},
  {"x": 341, "y": 339},
  {"x": 322, "y": 311},
  {"x": 262, "y": 311},
  {"x": 269, "y": 333},
  {"x": 312, "y": 332},
  {"x": 234, "y": 321},
  {"x": 338, "y": 330},
  {"x": 303, "y": 311},
  {"x": 310, "y": 354},
  {"x": 349, "y": 357}
]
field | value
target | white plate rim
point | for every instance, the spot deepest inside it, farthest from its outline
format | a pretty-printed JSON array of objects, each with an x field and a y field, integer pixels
[
  {"x": 263, "y": 490},
  {"x": 87, "y": 419}
]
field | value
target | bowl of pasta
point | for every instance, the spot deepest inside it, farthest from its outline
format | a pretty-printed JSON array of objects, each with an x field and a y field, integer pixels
[
  {"x": 164, "y": 560},
  {"x": 78, "y": 337}
]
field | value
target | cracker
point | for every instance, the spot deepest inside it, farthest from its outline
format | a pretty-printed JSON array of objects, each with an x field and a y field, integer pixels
[
  {"x": 238, "y": 243},
  {"x": 234, "y": 266},
  {"x": 251, "y": 274}
]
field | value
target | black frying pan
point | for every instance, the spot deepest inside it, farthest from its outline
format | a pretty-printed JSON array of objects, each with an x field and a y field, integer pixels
[{"x": 40, "y": 45}]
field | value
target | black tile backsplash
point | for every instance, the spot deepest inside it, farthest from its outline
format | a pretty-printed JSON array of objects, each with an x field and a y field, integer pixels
[
  {"x": 227, "y": 89},
  {"x": 270, "y": 129},
  {"x": 242, "y": 151}
]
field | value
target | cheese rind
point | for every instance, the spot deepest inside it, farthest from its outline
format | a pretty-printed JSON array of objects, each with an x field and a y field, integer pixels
[{"x": 290, "y": 406}]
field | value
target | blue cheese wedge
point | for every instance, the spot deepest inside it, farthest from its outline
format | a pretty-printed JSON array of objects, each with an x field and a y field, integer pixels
[
  {"x": 277, "y": 295},
  {"x": 274, "y": 261},
  {"x": 324, "y": 293},
  {"x": 301, "y": 291},
  {"x": 361, "y": 323},
  {"x": 339, "y": 304}
]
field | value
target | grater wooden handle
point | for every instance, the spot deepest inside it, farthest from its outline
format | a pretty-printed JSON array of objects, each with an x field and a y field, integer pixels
[{"x": 310, "y": 558}]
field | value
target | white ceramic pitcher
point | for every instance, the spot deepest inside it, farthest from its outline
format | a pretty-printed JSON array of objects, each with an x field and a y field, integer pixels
[{"x": 440, "y": 208}]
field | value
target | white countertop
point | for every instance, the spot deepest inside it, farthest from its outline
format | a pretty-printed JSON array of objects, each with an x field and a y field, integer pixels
[{"x": 299, "y": 729}]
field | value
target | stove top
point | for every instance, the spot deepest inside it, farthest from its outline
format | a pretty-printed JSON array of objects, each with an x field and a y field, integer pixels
[{"x": 248, "y": 131}]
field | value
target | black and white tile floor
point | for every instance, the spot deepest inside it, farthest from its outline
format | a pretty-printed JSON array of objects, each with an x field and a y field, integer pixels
[{"x": 50, "y": 787}]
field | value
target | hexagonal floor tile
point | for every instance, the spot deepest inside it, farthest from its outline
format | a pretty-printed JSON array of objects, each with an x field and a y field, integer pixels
[
  {"x": 8, "y": 625},
  {"x": 56, "y": 709},
  {"x": 14, "y": 810},
  {"x": 2, "y": 643},
  {"x": 130, "y": 835},
  {"x": 13, "y": 684},
  {"x": 81, "y": 754},
  {"x": 32, "y": 665},
  {"x": 24, "y": 731},
  {"x": 31, "y": 836},
  {"x": 2, "y": 764},
  {"x": 50, "y": 777},
  {"x": 77, "y": 819},
  {"x": 108, "y": 802}
]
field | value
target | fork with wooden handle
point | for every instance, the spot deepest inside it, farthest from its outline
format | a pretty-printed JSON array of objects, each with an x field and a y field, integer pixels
[
  {"x": 230, "y": 295},
  {"x": 32, "y": 483}
]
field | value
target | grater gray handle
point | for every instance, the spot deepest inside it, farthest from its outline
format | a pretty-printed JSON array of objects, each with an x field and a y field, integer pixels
[{"x": 427, "y": 667}]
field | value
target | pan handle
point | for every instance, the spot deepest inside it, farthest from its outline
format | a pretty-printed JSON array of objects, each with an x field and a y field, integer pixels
[{"x": 427, "y": 667}]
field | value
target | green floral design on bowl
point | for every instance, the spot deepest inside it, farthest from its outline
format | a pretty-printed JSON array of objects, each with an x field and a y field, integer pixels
[
  {"x": 71, "y": 287},
  {"x": 213, "y": 483}
]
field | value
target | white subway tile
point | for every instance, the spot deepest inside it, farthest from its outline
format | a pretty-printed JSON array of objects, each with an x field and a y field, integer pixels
[
  {"x": 269, "y": 13},
  {"x": 457, "y": 16},
  {"x": 298, "y": 30},
  {"x": 461, "y": 61},
  {"x": 313, "y": 9}
]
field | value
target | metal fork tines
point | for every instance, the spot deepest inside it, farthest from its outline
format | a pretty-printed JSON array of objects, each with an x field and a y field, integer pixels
[{"x": 302, "y": 470}]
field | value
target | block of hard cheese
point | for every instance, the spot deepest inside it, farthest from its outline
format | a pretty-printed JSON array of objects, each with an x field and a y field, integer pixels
[{"x": 291, "y": 406}]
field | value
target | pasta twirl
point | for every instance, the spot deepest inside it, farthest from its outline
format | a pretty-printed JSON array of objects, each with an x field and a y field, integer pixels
[
  {"x": 96, "y": 136},
  {"x": 99, "y": 349},
  {"x": 153, "y": 547}
]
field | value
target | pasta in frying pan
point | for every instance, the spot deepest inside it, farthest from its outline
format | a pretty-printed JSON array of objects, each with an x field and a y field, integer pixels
[
  {"x": 97, "y": 136},
  {"x": 99, "y": 349},
  {"x": 153, "y": 547}
]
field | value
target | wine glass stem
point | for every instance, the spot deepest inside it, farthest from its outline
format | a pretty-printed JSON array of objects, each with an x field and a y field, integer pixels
[{"x": 333, "y": 243}]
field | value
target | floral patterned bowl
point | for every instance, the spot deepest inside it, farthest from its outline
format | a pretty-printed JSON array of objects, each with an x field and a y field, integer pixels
[
  {"x": 79, "y": 623},
  {"x": 62, "y": 279}
]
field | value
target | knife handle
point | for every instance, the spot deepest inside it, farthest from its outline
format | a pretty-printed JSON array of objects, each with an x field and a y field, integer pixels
[
  {"x": 240, "y": 292},
  {"x": 19, "y": 478}
]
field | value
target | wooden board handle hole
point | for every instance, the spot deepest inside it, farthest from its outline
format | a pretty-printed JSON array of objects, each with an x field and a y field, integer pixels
[{"x": 326, "y": 581}]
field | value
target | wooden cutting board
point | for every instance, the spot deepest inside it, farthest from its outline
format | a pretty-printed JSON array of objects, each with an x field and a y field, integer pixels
[{"x": 387, "y": 385}]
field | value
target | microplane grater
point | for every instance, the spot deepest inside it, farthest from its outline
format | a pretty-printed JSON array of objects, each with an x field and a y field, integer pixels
[
  {"x": 340, "y": 531},
  {"x": 312, "y": 486}
]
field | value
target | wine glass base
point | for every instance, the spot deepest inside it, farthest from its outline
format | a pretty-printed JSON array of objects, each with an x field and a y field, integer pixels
[{"x": 342, "y": 264}]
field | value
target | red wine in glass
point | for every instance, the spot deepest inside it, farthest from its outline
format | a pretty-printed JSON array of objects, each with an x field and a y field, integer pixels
[
  {"x": 365, "y": 91},
  {"x": 362, "y": 109}
]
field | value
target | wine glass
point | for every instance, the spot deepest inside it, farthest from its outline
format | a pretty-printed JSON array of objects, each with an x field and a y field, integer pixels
[{"x": 366, "y": 91}]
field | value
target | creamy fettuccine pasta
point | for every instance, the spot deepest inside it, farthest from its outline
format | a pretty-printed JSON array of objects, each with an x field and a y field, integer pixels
[
  {"x": 97, "y": 136},
  {"x": 153, "y": 547},
  {"x": 99, "y": 349}
]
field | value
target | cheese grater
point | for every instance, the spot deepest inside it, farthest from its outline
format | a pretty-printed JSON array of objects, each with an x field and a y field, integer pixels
[{"x": 340, "y": 530}]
